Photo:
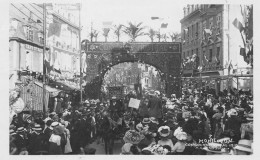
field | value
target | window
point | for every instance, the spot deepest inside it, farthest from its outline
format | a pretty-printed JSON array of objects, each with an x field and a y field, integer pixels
[
  {"x": 146, "y": 68},
  {"x": 218, "y": 23},
  {"x": 197, "y": 30},
  {"x": 218, "y": 52},
  {"x": 29, "y": 33},
  {"x": 184, "y": 34},
  {"x": 197, "y": 51},
  {"x": 218, "y": 56},
  {"x": 204, "y": 25},
  {"x": 191, "y": 52},
  {"x": 188, "y": 33},
  {"x": 210, "y": 55},
  {"x": 192, "y": 30},
  {"x": 211, "y": 23}
]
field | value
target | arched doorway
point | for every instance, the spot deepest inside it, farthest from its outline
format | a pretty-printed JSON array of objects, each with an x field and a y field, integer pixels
[
  {"x": 101, "y": 56},
  {"x": 129, "y": 77}
]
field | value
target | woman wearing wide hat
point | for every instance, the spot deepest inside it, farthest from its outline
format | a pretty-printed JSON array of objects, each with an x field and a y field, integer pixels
[
  {"x": 164, "y": 132},
  {"x": 131, "y": 138},
  {"x": 55, "y": 141},
  {"x": 233, "y": 125},
  {"x": 179, "y": 146}
]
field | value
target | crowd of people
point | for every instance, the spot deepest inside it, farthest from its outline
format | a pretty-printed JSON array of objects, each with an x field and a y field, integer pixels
[{"x": 197, "y": 123}]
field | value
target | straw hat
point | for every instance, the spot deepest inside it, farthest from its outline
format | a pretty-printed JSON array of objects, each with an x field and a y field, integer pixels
[
  {"x": 20, "y": 129},
  {"x": 180, "y": 135},
  {"x": 154, "y": 120},
  {"x": 37, "y": 127},
  {"x": 250, "y": 117},
  {"x": 113, "y": 98},
  {"x": 54, "y": 124},
  {"x": 232, "y": 112},
  {"x": 12, "y": 132},
  {"x": 146, "y": 121},
  {"x": 244, "y": 145}
]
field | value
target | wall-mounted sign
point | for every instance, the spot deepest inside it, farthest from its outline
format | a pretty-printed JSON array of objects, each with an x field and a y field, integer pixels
[{"x": 33, "y": 48}]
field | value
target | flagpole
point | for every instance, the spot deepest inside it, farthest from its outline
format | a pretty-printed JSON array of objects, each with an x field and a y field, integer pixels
[
  {"x": 228, "y": 52},
  {"x": 80, "y": 54},
  {"x": 43, "y": 60}
]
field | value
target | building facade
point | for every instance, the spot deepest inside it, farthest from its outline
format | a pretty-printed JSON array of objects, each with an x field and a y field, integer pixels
[
  {"x": 207, "y": 47},
  {"x": 26, "y": 40},
  {"x": 63, "y": 39}
]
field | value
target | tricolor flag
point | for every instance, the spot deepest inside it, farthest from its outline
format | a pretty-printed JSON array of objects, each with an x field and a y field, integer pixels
[
  {"x": 54, "y": 29},
  {"x": 106, "y": 31},
  {"x": 238, "y": 25},
  {"x": 107, "y": 24},
  {"x": 164, "y": 25}
]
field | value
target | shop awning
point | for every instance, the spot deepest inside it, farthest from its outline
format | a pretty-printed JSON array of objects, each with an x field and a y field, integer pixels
[{"x": 53, "y": 91}]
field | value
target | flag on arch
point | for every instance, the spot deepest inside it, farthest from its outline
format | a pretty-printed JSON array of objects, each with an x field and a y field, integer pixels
[{"x": 164, "y": 25}]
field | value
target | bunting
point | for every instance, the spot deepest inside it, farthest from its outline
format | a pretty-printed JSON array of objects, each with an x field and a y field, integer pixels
[{"x": 154, "y": 18}]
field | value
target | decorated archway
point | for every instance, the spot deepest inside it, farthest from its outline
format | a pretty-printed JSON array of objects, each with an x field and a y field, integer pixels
[{"x": 101, "y": 56}]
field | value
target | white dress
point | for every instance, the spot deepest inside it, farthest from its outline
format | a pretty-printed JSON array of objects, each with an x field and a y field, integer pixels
[{"x": 67, "y": 146}]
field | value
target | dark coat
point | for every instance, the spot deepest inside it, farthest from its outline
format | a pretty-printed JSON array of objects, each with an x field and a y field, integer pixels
[
  {"x": 233, "y": 123},
  {"x": 20, "y": 142},
  {"x": 54, "y": 149},
  {"x": 190, "y": 126},
  {"x": 143, "y": 110},
  {"x": 37, "y": 143},
  {"x": 155, "y": 107},
  {"x": 47, "y": 133}
]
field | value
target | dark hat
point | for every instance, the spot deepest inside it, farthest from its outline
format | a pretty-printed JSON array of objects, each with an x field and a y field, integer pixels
[{"x": 49, "y": 122}]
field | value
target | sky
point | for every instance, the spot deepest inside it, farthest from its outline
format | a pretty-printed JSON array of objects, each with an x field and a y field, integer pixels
[{"x": 123, "y": 11}]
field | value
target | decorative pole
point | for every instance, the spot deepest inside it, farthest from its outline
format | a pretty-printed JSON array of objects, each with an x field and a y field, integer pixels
[
  {"x": 80, "y": 83},
  {"x": 43, "y": 60}
]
